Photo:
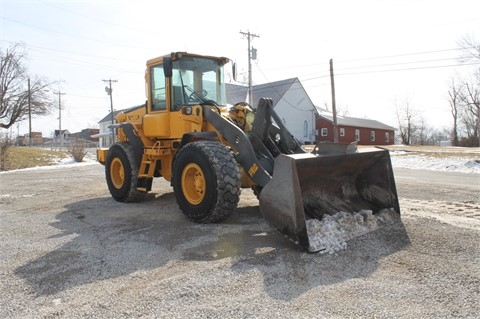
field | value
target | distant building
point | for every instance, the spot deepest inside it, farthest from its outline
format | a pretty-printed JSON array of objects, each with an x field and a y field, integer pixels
[
  {"x": 86, "y": 134},
  {"x": 36, "y": 139},
  {"x": 350, "y": 129},
  {"x": 290, "y": 101},
  {"x": 310, "y": 124},
  {"x": 61, "y": 136},
  {"x": 106, "y": 140}
]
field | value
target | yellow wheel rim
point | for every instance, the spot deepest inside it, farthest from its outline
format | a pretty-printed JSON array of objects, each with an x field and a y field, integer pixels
[
  {"x": 193, "y": 184},
  {"x": 117, "y": 173}
]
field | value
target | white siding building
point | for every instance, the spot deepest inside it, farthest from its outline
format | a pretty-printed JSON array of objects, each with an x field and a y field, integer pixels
[{"x": 290, "y": 101}]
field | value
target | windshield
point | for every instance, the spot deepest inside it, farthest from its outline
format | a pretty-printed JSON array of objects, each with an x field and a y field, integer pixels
[{"x": 197, "y": 80}]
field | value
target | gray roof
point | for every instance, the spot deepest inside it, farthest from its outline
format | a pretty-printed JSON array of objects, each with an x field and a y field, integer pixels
[
  {"x": 236, "y": 93},
  {"x": 357, "y": 122},
  {"x": 274, "y": 90}
]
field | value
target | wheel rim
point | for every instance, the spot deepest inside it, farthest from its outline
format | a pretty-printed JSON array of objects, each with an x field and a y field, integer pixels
[
  {"x": 117, "y": 173},
  {"x": 193, "y": 184}
]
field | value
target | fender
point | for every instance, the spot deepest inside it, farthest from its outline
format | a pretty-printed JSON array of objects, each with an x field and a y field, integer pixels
[
  {"x": 194, "y": 136},
  {"x": 134, "y": 141}
]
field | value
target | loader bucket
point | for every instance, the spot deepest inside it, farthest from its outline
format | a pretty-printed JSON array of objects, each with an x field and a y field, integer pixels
[{"x": 308, "y": 186}]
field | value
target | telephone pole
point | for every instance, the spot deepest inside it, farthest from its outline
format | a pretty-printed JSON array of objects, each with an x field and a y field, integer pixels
[
  {"x": 29, "y": 115},
  {"x": 60, "y": 135},
  {"x": 334, "y": 107},
  {"x": 108, "y": 89},
  {"x": 252, "y": 54}
]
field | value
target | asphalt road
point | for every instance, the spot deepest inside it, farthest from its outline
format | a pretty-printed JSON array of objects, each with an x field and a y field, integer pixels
[
  {"x": 67, "y": 250},
  {"x": 437, "y": 185}
]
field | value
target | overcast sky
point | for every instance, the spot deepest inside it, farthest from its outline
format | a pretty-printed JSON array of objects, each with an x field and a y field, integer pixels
[{"x": 384, "y": 52}]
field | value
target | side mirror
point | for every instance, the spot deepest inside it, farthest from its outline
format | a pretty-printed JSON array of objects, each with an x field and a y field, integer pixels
[{"x": 167, "y": 67}]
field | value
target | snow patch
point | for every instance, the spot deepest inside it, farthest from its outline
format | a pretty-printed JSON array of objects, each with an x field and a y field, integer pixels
[
  {"x": 446, "y": 164},
  {"x": 331, "y": 233},
  {"x": 60, "y": 163}
]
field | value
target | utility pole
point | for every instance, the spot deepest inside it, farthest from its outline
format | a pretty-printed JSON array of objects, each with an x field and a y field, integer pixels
[
  {"x": 108, "y": 89},
  {"x": 334, "y": 107},
  {"x": 29, "y": 115},
  {"x": 252, "y": 54},
  {"x": 60, "y": 135}
]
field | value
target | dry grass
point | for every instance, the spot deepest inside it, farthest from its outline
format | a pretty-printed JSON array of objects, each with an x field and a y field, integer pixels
[{"x": 24, "y": 157}]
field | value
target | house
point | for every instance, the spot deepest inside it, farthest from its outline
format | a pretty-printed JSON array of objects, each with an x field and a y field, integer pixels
[
  {"x": 290, "y": 101},
  {"x": 61, "y": 136},
  {"x": 36, "y": 139},
  {"x": 104, "y": 139},
  {"x": 350, "y": 129},
  {"x": 86, "y": 134},
  {"x": 25, "y": 140}
]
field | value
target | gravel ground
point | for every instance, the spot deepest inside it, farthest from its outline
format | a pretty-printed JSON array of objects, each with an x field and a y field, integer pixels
[{"x": 68, "y": 250}]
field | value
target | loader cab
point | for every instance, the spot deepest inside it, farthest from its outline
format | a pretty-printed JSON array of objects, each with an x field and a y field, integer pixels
[
  {"x": 187, "y": 80},
  {"x": 179, "y": 80}
]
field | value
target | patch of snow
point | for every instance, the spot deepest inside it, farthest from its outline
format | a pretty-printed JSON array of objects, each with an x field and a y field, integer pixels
[
  {"x": 60, "y": 162},
  {"x": 447, "y": 164},
  {"x": 331, "y": 233}
]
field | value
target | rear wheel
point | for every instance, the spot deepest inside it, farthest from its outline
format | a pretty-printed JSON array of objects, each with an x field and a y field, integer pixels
[
  {"x": 121, "y": 173},
  {"x": 206, "y": 181}
]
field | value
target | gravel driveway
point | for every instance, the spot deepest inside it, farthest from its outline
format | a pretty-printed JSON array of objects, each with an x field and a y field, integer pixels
[{"x": 68, "y": 250}]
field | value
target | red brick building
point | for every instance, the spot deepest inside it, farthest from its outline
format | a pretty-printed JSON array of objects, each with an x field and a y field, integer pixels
[
  {"x": 37, "y": 139},
  {"x": 350, "y": 129}
]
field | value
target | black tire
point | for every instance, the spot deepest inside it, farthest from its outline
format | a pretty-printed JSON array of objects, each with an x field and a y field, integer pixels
[
  {"x": 206, "y": 181},
  {"x": 121, "y": 173}
]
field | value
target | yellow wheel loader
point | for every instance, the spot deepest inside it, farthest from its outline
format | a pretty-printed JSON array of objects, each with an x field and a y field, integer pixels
[{"x": 186, "y": 134}]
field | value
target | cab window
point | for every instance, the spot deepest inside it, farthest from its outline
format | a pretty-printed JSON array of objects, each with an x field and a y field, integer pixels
[{"x": 158, "y": 91}]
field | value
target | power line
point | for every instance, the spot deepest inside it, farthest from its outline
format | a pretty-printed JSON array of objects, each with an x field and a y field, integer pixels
[
  {"x": 71, "y": 35},
  {"x": 400, "y": 55},
  {"x": 63, "y": 51},
  {"x": 379, "y": 58},
  {"x": 102, "y": 21},
  {"x": 398, "y": 63},
  {"x": 411, "y": 69},
  {"x": 393, "y": 70}
]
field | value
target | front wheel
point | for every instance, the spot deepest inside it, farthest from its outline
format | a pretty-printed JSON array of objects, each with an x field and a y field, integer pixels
[
  {"x": 121, "y": 173},
  {"x": 206, "y": 181}
]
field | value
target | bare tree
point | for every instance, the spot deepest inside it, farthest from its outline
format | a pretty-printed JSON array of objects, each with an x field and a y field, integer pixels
[
  {"x": 423, "y": 133},
  {"x": 471, "y": 49},
  {"x": 20, "y": 95},
  {"x": 470, "y": 96},
  {"x": 407, "y": 118},
  {"x": 455, "y": 100}
]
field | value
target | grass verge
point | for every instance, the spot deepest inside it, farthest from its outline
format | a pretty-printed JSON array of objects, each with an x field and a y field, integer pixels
[{"x": 25, "y": 157}]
